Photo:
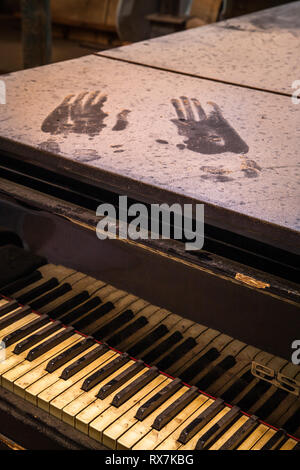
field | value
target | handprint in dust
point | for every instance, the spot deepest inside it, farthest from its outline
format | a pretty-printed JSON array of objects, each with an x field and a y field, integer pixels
[
  {"x": 82, "y": 114},
  {"x": 208, "y": 134}
]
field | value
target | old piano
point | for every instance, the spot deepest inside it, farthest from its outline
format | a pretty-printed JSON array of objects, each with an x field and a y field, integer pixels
[{"x": 140, "y": 344}]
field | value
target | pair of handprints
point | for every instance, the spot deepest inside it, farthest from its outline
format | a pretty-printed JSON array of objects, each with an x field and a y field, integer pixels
[{"x": 203, "y": 133}]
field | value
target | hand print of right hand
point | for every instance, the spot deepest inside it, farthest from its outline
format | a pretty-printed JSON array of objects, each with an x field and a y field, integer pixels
[{"x": 207, "y": 134}]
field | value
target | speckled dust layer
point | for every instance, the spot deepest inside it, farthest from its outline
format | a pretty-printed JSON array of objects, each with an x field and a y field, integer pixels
[
  {"x": 229, "y": 146},
  {"x": 260, "y": 50}
]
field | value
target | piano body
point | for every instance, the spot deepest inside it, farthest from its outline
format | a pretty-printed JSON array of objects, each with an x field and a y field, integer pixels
[{"x": 140, "y": 344}]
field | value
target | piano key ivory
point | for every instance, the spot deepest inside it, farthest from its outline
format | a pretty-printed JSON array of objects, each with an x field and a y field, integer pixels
[{"x": 113, "y": 398}]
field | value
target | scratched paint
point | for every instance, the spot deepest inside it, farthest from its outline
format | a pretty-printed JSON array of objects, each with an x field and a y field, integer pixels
[
  {"x": 251, "y": 281},
  {"x": 249, "y": 167}
]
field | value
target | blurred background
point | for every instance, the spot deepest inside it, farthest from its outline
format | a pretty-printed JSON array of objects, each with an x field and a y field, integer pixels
[{"x": 36, "y": 32}]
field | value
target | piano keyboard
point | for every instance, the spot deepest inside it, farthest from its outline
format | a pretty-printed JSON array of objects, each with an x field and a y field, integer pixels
[{"x": 120, "y": 401}]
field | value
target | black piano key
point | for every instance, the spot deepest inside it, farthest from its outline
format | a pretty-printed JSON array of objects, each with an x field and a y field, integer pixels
[
  {"x": 9, "y": 307},
  {"x": 176, "y": 354},
  {"x": 91, "y": 317},
  {"x": 216, "y": 372},
  {"x": 188, "y": 374},
  {"x": 75, "y": 314},
  {"x": 50, "y": 296},
  {"x": 37, "y": 337},
  {"x": 20, "y": 333},
  {"x": 113, "y": 324},
  {"x": 292, "y": 424},
  {"x": 84, "y": 361},
  {"x": 14, "y": 316},
  {"x": 158, "y": 399},
  {"x": 163, "y": 418},
  {"x": 202, "y": 419},
  {"x": 254, "y": 394},
  {"x": 69, "y": 354},
  {"x": 37, "y": 291},
  {"x": 50, "y": 343},
  {"x": 275, "y": 441},
  {"x": 69, "y": 305},
  {"x": 131, "y": 389},
  {"x": 272, "y": 403},
  {"x": 238, "y": 386},
  {"x": 127, "y": 331},
  {"x": 214, "y": 433},
  {"x": 104, "y": 372},
  {"x": 21, "y": 283},
  {"x": 163, "y": 346},
  {"x": 241, "y": 434},
  {"x": 148, "y": 340},
  {"x": 123, "y": 377}
]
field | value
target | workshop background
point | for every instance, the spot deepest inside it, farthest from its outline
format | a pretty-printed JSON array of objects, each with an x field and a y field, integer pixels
[{"x": 36, "y": 32}]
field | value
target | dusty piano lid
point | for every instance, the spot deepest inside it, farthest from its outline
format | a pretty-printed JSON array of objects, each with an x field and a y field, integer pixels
[
  {"x": 163, "y": 137},
  {"x": 260, "y": 50}
]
